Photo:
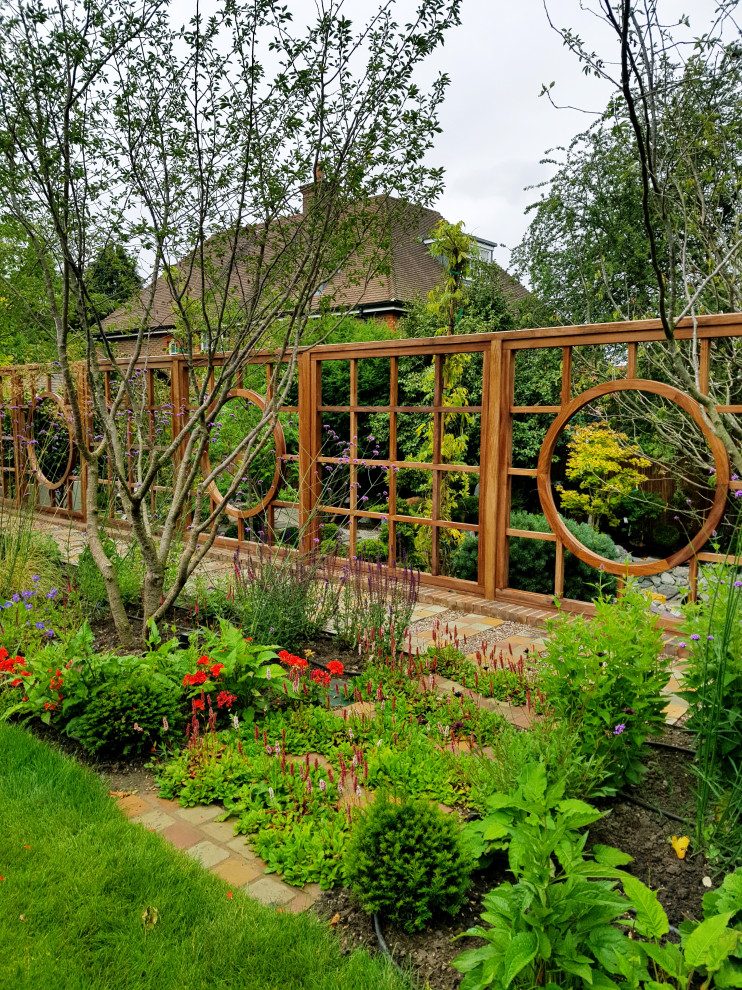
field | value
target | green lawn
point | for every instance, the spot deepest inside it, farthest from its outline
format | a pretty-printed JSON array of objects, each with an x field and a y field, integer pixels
[{"x": 77, "y": 878}]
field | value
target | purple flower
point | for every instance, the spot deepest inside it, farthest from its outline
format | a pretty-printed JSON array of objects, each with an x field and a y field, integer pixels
[
  {"x": 695, "y": 637},
  {"x": 618, "y": 730},
  {"x": 709, "y": 638},
  {"x": 40, "y": 625},
  {"x": 682, "y": 645},
  {"x": 738, "y": 494}
]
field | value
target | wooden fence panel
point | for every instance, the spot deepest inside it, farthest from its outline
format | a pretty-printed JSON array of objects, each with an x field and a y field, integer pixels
[{"x": 165, "y": 377}]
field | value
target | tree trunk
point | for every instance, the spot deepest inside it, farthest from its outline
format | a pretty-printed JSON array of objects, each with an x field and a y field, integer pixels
[
  {"x": 104, "y": 565},
  {"x": 154, "y": 581}
]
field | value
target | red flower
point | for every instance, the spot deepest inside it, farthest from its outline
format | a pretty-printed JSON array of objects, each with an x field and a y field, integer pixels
[
  {"x": 198, "y": 704},
  {"x": 16, "y": 682},
  {"x": 217, "y": 669},
  {"x": 291, "y": 660},
  {"x": 335, "y": 667},
  {"x": 320, "y": 677},
  {"x": 3, "y": 653},
  {"x": 203, "y": 660},
  {"x": 193, "y": 679},
  {"x": 225, "y": 700}
]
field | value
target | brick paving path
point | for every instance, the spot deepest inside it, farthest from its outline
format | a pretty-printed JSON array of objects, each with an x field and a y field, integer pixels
[{"x": 215, "y": 845}]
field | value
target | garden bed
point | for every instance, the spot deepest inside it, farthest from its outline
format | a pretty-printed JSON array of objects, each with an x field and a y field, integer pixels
[{"x": 643, "y": 834}]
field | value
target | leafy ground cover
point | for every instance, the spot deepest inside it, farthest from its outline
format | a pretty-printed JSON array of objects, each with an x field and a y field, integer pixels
[{"x": 90, "y": 903}]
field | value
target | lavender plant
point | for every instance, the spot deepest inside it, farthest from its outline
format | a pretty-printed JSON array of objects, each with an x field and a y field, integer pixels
[{"x": 375, "y": 603}]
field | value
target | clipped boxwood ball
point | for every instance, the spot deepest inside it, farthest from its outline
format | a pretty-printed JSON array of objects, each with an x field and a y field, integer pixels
[{"x": 406, "y": 861}]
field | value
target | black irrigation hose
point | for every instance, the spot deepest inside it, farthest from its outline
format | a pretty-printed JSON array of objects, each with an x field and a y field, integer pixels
[
  {"x": 382, "y": 944},
  {"x": 663, "y": 745},
  {"x": 651, "y": 807},
  {"x": 671, "y": 928}
]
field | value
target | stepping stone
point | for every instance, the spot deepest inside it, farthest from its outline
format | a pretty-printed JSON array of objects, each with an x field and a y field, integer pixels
[
  {"x": 237, "y": 871},
  {"x": 207, "y": 853},
  {"x": 270, "y": 891},
  {"x": 219, "y": 831},
  {"x": 156, "y": 821},
  {"x": 201, "y": 813},
  {"x": 183, "y": 836}
]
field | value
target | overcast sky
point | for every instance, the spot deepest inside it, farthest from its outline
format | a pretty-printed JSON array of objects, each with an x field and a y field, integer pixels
[{"x": 495, "y": 126}]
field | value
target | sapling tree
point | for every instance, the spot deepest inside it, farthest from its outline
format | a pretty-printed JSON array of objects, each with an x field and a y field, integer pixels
[
  {"x": 191, "y": 145},
  {"x": 664, "y": 166}
]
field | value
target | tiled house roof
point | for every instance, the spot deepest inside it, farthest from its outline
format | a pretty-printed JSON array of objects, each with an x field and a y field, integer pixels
[{"x": 410, "y": 272}]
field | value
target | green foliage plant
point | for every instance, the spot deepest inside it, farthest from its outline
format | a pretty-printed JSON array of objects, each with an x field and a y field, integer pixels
[
  {"x": 284, "y": 598},
  {"x": 232, "y": 664},
  {"x": 562, "y": 923},
  {"x": 406, "y": 861},
  {"x": 555, "y": 745},
  {"x": 129, "y": 570},
  {"x": 603, "y": 676},
  {"x": 545, "y": 927},
  {"x": 26, "y": 554},
  {"x": 128, "y": 714}
]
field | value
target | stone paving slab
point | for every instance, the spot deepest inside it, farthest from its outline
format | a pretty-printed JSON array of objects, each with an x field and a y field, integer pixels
[{"x": 215, "y": 846}]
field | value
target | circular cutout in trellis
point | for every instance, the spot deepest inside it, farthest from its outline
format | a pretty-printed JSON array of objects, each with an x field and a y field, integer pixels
[
  {"x": 261, "y": 481},
  {"x": 546, "y": 495},
  {"x": 50, "y": 446}
]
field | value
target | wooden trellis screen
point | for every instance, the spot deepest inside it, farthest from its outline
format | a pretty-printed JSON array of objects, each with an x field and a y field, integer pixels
[{"x": 338, "y": 438}]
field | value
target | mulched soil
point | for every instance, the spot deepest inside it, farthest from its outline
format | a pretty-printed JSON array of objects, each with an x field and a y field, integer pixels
[
  {"x": 646, "y": 835},
  {"x": 428, "y": 953},
  {"x": 643, "y": 833}
]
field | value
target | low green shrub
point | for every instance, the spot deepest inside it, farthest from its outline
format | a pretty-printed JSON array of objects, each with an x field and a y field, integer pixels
[
  {"x": 328, "y": 531},
  {"x": 531, "y": 565},
  {"x": 129, "y": 715},
  {"x": 466, "y": 559},
  {"x": 665, "y": 537},
  {"x": 372, "y": 550},
  {"x": 406, "y": 861},
  {"x": 603, "y": 676}
]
